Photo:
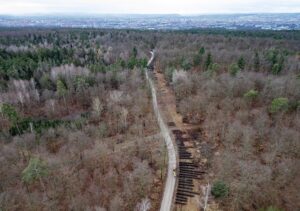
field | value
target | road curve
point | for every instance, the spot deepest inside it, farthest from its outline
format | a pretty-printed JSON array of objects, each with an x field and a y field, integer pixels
[{"x": 167, "y": 199}]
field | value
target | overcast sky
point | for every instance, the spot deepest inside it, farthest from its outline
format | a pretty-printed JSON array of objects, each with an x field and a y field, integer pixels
[{"x": 20, "y": 7}]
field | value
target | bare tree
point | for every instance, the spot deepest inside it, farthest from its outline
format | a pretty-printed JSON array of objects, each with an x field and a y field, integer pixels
[
  {"x": 144, "y": 205},
  {"x": 97, "y": 107}
]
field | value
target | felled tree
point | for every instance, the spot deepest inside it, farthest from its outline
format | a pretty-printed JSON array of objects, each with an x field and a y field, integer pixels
[{"x": 36, "y": 170}]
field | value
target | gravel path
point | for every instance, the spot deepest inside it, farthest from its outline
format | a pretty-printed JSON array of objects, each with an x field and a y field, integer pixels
[{"x": 166, "y": 203}]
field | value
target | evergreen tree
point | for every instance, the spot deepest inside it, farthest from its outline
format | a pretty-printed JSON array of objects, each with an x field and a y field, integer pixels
[
  {"x": 202, "y": 51},
  {"x": 9, "y": 112},
  {"x": 208, "y": 61},
  {"x": 61, "y": 90},
  {"x": 198, "y": 57},
  {"x": 256, "y": 62},
  {"x": 277, "y": 68},
  {"x": 212, "y": 69},
  {"x": 134, "y": 52},
  {"x": 234, "y": 69},
  {"x": 241, "y": 63}
]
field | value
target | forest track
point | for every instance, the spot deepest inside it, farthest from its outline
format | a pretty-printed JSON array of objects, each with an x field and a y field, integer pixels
[
  {"x": 190, "y": 172},
  {"x": 168, "y": 194},
  {"x": 181, "y": 141}
]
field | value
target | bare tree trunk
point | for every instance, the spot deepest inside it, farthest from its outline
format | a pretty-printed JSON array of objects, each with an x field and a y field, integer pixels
[
  {"x": 65, "y": 102},
  {"x": 42, "y": 184}
]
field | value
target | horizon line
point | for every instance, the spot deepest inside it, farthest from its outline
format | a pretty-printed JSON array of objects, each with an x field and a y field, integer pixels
[{"x": 150, "y": 14}]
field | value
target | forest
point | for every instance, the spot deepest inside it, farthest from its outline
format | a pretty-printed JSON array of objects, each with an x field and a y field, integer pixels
[
  {"x": 78, "y": 132},
  {"x": 77, "y": 127},
  {"x": 244, "y": 91}
]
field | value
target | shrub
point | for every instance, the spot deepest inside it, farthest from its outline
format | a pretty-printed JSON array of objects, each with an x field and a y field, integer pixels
[
  {"x": 169, "y": 74},
  {"x": 46, "y": 82},
  {"x": 294, "y": 105},
  {"x": 81, "y": 83},
  {"x": 219, "y": 189},
  {"x": 197, "y": 60},
  {"x": 35, "y": 170},
  {"x": 276, "y": 69},
  {"x": 279, "y": 104},
  {"x": 212, "y": 69},
  {"x": 251, "y": 94},
  {"x": 9, "y": 112},
  {"x": 179, "y": 76},
  {"x": 61, "y": 88},
  {"x": 185, "y": 64},
  {"x": 234, "y": 69}
]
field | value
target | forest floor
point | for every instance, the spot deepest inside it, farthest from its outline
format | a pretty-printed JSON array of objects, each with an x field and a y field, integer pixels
[{"x": 167, "y": 105}]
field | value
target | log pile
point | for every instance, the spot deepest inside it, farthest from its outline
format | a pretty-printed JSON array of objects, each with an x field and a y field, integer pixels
[{"x": 187, "y": 170}]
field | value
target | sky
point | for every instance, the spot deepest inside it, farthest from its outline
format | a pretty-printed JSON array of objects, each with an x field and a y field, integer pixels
[{"x": 27, "y": 7}]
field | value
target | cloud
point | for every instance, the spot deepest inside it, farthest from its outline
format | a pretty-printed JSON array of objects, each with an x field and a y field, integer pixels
[{"x": 147, "y": 6}]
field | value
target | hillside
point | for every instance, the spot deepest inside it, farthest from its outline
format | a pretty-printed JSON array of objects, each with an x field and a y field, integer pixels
[{"x": 78, "y": 130}]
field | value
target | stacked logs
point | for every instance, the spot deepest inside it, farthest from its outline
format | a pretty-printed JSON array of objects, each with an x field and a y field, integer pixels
[{"x": 187, "y": 172}]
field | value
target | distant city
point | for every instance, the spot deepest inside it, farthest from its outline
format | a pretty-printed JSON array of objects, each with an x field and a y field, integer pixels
[{"x": 159, "y": 22}]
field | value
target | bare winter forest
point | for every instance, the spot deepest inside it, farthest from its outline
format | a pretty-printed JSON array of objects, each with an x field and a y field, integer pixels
[
  {"x": 77, "y": 127},
  {"x": 78, "y": 132},
  {"x": 244, "y": 91}
]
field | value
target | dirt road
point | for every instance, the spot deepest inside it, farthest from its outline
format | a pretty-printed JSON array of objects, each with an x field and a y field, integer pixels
[{"x": 167, "y": 199}]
